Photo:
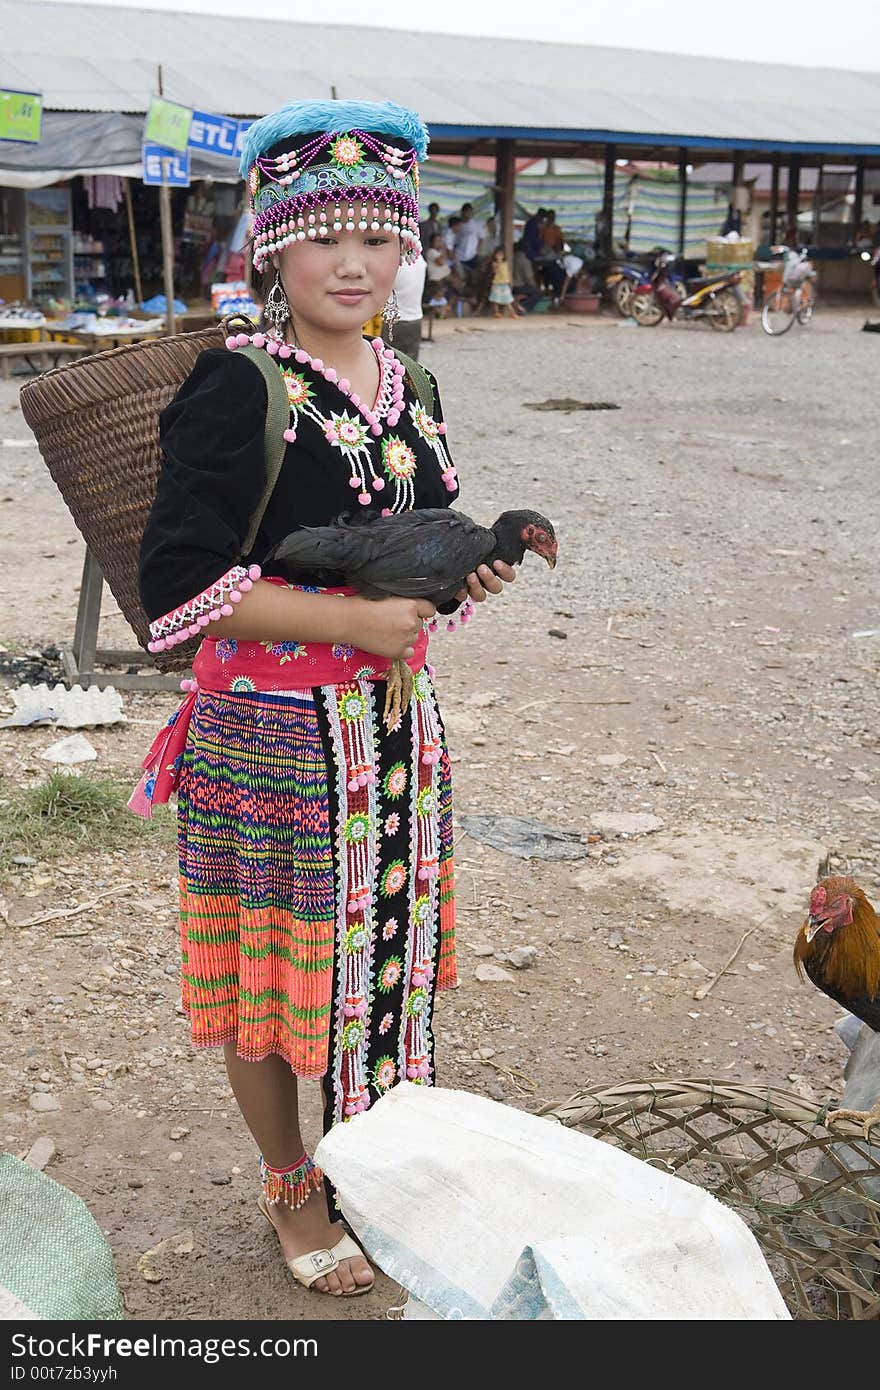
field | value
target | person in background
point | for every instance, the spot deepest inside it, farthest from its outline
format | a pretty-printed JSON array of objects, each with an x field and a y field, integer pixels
[
  {"x": 489, "y": 241},
  {"x": 551, "y": 235},
  {"x": 450, "y": 235},
  {"x": 501, "y": 294},
  {"x": 409, "y": 287},
  {"x": 439, "y": 268},
  {"x": 525, "y": 286},
  {"x": 467, "y": 238},
  {"x": 431, "y": 225},
  {"x": 572, "y": 265},
  {"x": 732, "y": 222},
  {"x": 438, "y": 301},
  {"x": 532, "y": 239}
]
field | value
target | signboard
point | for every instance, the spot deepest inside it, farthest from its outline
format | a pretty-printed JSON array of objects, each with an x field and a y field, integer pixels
[
  {"x": 176, "y": 173},
  {"x": 20, "y": 116},
  {"x": 213, "y": 134},
  {"x": 168, "y": 124}
]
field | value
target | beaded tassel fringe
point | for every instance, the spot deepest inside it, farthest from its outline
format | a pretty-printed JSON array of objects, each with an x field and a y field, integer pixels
[{"x": 293, "y": 1186}]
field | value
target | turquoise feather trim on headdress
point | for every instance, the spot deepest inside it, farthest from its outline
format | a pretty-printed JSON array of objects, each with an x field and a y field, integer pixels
[{"x": 309, "y": 117}]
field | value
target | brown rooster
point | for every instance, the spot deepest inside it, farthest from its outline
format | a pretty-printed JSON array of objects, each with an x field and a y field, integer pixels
[{"x": 838, "y": 947}]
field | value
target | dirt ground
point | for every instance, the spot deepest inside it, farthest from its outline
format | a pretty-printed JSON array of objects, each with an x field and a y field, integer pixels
[{"x": 692, "y": 657}]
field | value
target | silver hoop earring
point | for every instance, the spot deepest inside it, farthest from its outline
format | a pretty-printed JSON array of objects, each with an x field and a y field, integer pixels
[
  {"x": 391, "y": 314},
  {"x": 277, "y": 309}
]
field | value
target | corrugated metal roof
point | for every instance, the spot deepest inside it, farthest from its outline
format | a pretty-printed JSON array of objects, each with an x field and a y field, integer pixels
[{"x": 97, "y": 58}]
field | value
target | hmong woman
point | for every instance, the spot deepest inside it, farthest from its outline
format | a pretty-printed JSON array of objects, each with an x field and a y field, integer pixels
[{"x": 315, "y": 843}]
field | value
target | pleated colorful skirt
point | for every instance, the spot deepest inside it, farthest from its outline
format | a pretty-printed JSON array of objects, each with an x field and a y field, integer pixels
[{"x": 316, "y": 883}]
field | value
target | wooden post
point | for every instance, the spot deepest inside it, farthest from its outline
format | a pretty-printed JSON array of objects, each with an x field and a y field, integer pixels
[
  {"x": 167, "y": 240},
  {"x": 817, "y": 207},
  {"x": 138, "y": 288},
  {"x": 774, "y": 201},
  {"x": 505, "y": 179},
  {"x": 167, "y": 250},
  {"x": 792, "y": 198},
  {"x": 859, "y": 198},
  {"x": 608, "y": 203},
  {"x": 682, "y": 204}
]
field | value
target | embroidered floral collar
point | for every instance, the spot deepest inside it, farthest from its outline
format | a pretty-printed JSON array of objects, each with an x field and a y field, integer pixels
[{"x": 355, "y": 429}]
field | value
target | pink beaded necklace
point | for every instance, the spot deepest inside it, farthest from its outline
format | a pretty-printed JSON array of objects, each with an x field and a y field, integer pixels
[{"x": 350, "y": 430}]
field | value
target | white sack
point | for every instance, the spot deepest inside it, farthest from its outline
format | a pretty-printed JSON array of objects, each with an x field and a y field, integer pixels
[{"x": 482, "y": 1211}]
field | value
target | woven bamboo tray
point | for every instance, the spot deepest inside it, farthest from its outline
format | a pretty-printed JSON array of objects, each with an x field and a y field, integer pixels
[
  {"x": 96, "y": 422},
  {"x": 811, "y": 1196}
]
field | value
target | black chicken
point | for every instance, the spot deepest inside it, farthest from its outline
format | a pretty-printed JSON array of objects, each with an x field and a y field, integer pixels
[{"x": 424, "y": 553}]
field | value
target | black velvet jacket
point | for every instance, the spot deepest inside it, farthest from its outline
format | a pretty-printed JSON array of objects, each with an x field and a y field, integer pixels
[{"x": 214, "y": 473}]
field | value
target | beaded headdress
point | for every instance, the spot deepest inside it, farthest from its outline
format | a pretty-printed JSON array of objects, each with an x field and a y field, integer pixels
[{"x": 342, "y": 165}]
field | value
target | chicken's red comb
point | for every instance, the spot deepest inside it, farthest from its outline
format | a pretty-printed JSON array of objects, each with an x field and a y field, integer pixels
[{"x": 818, "y": 899}]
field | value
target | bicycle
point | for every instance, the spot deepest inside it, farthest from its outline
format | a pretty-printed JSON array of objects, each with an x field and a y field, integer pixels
[{"x": 796, "y": 297}]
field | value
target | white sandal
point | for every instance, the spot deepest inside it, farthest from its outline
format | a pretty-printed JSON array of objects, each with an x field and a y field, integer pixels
[{"x": 306, "y": 1269}]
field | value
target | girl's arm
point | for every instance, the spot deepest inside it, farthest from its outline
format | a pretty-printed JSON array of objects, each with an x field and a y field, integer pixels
[{"x": 269, "y": 613}]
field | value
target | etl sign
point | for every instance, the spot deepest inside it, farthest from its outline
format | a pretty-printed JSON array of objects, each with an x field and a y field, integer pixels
[
  {"x": 176, "y": 174},
  {"x": 213, "y": 134}
]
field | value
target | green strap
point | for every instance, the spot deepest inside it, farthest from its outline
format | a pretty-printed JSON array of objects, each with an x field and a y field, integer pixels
[
  {"x": 419, "y": 380},
  {"x": 277, "y": 420}
]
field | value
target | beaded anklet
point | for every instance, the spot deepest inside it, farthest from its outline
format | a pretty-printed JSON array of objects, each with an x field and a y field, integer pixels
[{"x": 294, "y": 1185}]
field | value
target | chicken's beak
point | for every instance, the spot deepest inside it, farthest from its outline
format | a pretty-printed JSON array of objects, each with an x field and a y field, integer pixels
[
  {"x": 811, "y": 926},
  {"x": 550, "y": 557}
]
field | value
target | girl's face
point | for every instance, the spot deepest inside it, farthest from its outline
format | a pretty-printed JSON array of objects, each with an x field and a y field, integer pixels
[{"x": 340, "y": 280}]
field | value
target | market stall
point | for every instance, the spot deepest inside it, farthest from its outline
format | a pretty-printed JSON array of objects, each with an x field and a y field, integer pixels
[{"x": 80, "y": 232}]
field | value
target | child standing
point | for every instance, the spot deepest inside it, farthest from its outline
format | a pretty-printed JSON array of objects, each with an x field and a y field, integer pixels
[
  {"x": 315, "y": 845},
  {"x": 501, "y": 293}
]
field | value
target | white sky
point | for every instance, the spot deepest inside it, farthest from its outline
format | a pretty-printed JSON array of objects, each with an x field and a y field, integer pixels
[{"x": 810, "y": 32}]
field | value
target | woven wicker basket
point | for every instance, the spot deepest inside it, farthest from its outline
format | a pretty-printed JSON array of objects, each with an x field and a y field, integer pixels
[
  {"x": 96, "y": 422},
  {"x": 811, "y": 1196}
]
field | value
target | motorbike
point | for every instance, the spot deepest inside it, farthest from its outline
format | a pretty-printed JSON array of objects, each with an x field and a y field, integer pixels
[
  {"x": 712, "y": 297},
  {"x": 624, "y": 278}
]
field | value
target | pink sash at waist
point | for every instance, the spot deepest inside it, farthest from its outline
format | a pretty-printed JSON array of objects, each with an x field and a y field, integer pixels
[{"x": 230, "y": 666}]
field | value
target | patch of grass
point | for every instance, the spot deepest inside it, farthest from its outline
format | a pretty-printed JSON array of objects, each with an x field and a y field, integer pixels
[{"x": 64, "y": 814}]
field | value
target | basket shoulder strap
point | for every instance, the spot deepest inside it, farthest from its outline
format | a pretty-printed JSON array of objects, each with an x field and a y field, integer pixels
[
  {"x": 277, "y": 418},
  {"x": 420, "y": 381}
]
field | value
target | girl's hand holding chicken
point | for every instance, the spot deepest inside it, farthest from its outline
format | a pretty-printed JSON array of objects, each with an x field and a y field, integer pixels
[
  {"x": 388, "y": 627},
  {"x": 486, "y": 580}
]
